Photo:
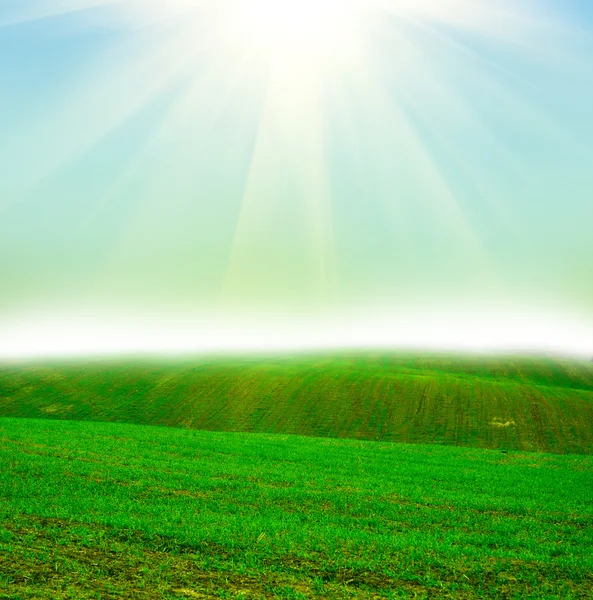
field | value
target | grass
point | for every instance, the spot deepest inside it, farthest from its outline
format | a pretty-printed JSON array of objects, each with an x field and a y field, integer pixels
[
  {"x": 96, "y": 504},
  {"x": 513, "y": 403},
  {"x": 106, "y": 510}
]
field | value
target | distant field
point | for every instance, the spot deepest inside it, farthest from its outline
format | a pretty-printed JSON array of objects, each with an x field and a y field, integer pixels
[
  {"x": 533, "y": 404},
  {"x": 104, "y": 510}
]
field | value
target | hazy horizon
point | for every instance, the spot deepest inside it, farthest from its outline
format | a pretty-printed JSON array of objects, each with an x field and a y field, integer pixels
[{"x": 209, "y": 176}]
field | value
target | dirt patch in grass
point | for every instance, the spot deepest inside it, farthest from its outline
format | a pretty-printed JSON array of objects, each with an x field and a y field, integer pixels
[{"x": 59, "y": 559}]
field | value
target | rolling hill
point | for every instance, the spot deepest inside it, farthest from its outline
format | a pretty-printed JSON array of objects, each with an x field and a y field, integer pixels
[{"x": 513, "y": 403}]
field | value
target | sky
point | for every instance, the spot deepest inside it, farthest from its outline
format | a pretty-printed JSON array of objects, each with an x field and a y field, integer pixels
[{"x": 188, "y": 175}]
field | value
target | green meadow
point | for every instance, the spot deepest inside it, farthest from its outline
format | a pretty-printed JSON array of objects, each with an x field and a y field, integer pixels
[
  {"x": 519, "y": 403},
  {"x": 287, "y": 477}
]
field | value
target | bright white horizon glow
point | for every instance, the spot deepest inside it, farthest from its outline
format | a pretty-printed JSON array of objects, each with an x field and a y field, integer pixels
[{"x": 510, "y": 333}]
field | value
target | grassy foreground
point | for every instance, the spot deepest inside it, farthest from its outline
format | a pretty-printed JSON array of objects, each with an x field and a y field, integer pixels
[
  {"x": 533, "y": 404},
  {"x": 103, "y": 510}
]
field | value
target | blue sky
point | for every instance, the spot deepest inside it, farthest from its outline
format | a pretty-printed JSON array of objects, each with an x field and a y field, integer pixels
[{"x": 396, "y": 174}]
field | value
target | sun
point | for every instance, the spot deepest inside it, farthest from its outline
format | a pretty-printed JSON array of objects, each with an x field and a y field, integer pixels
[{"x": 302, "y": 32}]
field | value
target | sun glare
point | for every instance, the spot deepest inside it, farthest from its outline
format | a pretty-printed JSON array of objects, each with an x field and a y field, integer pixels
[{"x": 300, "y": 31}]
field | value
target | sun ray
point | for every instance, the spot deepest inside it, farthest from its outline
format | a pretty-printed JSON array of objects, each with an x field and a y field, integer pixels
[
  {"x": 190, "y": 192},
  {"x": 21, "y": 13},
  {"x": 95, "y": 107},
  {"x": 272, "y": 245}
]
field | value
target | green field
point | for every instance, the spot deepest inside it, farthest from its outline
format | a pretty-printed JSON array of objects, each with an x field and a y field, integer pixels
[
  {"x": 283, "y": 478},
  {"x": 512, "y": 403},
  {"x": 103, "y": 510}
]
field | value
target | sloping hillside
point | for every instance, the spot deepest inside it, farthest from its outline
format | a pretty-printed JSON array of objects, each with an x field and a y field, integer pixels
[{"x": 535, "y": 404}]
